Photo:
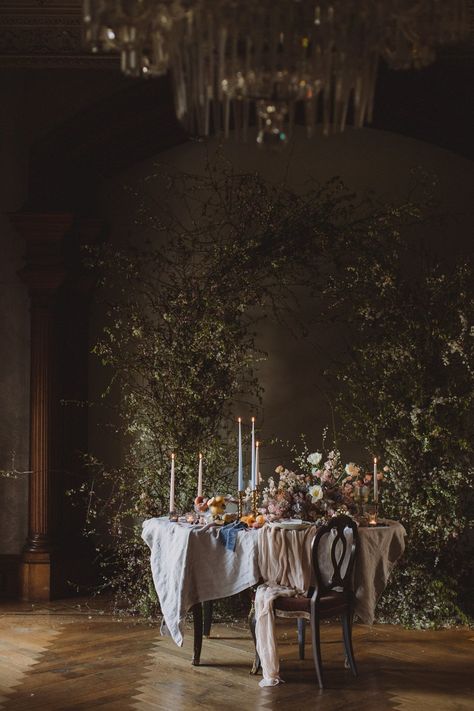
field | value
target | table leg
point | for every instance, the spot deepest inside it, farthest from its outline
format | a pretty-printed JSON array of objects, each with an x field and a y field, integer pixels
[
  {"x": 197, "y": 620},
  {"x": 208, "y": 605}
]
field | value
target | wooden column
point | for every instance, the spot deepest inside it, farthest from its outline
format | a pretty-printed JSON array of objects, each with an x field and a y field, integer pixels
[{"x": 43, "y": 273}]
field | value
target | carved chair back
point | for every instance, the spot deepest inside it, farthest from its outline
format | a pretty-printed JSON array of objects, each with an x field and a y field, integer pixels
[{"x": 334, "y": 553}]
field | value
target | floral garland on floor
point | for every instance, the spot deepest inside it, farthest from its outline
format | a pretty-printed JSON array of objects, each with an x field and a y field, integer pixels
[{"x": 319, "y": 491}]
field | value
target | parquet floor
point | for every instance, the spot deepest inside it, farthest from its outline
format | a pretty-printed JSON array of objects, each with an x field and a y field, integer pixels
[{"x": 61, "y": 657}]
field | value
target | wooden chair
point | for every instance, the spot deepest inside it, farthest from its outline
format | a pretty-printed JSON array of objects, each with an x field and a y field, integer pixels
[{"x": 332, "y": 596}]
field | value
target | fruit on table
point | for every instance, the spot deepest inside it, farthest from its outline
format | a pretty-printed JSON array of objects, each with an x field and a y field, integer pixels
[
  {"x": 201, "y": 503},
  {"x": 216, "y": 505},
  {"x": 253, "y": 521}
]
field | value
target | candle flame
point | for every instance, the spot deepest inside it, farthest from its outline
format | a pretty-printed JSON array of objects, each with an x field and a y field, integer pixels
[
  {"x": 200, "y": 455},
  {"x": 172, "y": 455},
  {"x": 257, "y": 443},
  {"x": 375, "y": 460},
  {"x": 239, "y": 419},
  {"x": 253, "y": 419}
]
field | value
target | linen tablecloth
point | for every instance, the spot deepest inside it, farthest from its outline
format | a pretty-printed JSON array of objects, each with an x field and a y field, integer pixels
[
  {"x": 285, "y": 559},
  {"x": 190, "y": 564}
]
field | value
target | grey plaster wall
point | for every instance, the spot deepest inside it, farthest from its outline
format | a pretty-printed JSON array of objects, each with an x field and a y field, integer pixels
[
  {"x": 14, "y": 389},
  {"x": 14, "y": 342},
  {"x": 14, "y": 326}
]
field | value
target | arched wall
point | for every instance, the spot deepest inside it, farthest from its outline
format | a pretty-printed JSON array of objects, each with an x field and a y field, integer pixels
[{"x": 366, "y": 160}]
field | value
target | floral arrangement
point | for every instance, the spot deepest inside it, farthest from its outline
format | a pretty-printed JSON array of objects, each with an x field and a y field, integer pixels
[{"x": 321, "y": 489}]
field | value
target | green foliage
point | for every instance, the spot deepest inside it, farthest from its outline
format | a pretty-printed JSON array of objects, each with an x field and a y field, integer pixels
[
  {"x": 408, "y": 392},
  {"x": 417, "y": 598}
]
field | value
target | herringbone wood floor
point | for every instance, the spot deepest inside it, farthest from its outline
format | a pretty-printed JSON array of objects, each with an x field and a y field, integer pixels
[{"x": 60, "y": 658}]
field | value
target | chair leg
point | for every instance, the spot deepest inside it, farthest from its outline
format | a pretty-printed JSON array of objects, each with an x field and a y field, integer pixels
[
  {"x": 256, "y": 662},
  {"x": 301, "y": 635},
  {"x": 347, "y": 634},
  {"x": 316, "y": 641},
  {"x": 208, "y": 606},
  {"x": 197, "y": 621}
]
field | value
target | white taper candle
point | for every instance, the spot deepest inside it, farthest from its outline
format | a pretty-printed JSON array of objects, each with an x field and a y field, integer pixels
[
  {"x": 240, "y": 471},
  {"x": 172, "y": 483},
  {"x": 252, "y": 459},
  {"x": 257, "y": 463},
  {"x": 376, "y": 483},
  {"x": 200, "y": 475}
]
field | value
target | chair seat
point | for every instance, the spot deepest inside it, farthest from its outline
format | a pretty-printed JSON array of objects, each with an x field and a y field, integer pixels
[{"x": 330, "y": 604}]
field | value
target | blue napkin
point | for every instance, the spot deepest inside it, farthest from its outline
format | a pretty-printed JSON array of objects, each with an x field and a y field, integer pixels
[{"x": 228, "y": 534}]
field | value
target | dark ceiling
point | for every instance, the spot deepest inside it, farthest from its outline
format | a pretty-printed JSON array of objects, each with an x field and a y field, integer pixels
[{"x": 134, "y": 119}]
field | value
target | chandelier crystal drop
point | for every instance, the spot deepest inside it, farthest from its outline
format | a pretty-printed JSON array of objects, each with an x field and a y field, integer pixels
[
  {"x": 235, "y": 61},
  {"x": 138, "y": 29}
]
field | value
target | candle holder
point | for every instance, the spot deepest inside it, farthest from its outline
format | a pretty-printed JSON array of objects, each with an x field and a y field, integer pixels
[
  {"x": 255, "y": 492},
  {"x": 240, "y": 504},
  {"x": 371, "y": 511}
]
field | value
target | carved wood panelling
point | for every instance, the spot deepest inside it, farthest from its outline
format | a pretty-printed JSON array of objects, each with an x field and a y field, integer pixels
[
  {"x": 48, "y": 33},
  {"x": 45, "y": 33}
]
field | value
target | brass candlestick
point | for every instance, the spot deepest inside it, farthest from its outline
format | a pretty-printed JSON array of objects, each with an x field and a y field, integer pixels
[
  {"x": 255, "y": 492},
  {"x": 240, "y": 504}
]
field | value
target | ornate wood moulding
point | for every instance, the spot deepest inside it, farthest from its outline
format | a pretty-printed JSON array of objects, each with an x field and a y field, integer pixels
[
  {"x": 36, "y": 34},
  {"x": 45, "y": 34}
]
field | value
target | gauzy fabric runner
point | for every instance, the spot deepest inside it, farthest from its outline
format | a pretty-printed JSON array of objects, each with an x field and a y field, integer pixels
[
  {"x": 189, "y": 565},
  {"x": 285, "y": 563}
]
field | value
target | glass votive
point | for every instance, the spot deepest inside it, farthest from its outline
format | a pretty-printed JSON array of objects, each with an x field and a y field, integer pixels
[{"x": 371, "y": 513}]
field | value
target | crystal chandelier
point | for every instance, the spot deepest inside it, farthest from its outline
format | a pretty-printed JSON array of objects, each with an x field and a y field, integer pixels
[
  {"x": 140, "y": 30},
  {"x": 235, "y": 61}
]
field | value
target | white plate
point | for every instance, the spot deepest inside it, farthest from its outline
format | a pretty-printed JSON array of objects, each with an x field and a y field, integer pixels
[{"x": 291, "y": 524}]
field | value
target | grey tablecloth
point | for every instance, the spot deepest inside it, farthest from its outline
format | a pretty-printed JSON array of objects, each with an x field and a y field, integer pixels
[{"x": 191, "y": 565}]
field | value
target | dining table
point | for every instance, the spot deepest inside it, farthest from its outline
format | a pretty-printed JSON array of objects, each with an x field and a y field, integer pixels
[{"x": 191, "y": 567}]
